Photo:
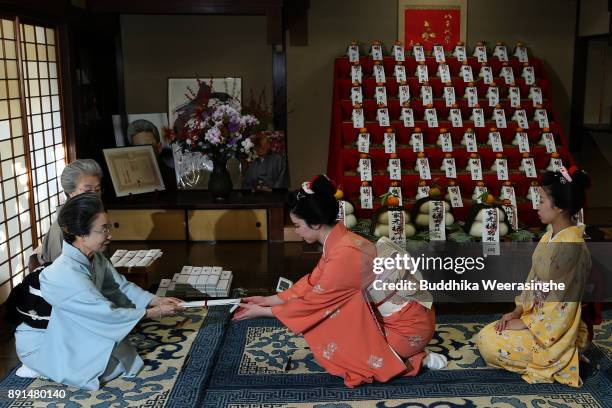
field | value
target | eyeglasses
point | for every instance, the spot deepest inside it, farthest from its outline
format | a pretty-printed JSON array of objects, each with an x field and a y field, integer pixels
[{"x": 106, "y": 229}]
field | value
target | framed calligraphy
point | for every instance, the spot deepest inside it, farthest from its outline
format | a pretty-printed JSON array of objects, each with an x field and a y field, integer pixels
[{"x": 431, "y": 22}]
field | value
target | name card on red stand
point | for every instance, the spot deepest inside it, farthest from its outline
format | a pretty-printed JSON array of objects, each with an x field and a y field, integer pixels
[
  {"x": 353, "y": 53},
  {"x": 395, "y": 169},
  {"x": 358, "y": 120},
  {"x": 514, "y": 94},
  {"x": 407, "y": 116},
  {"x": 365, "y": 169},
  {"x": 389, "y": 142},
  {"x": 403, "y": 94},
  {"x": 363, "y": 143},
  {"x": 416, "y": 141},
  {"x": 399, "y": 53},
  {"x": 356, "y": 95},
  {"x": 475, "y": 168},
  {"x": 379, "y": 74},
  {"x": 382, "y": 115},
  {"x": 449, "y": 96},
  {"x": 356, "y": 74},
  {"x": 431, "y": 116},
  {"x": 380, "y": 93},
  {"x": 455, "y": 196},
  {"x": 396, "y": 227},
  {"x": 437, "y": 222},
  {"x": 423, "y": 167},
  {"x": 366, "y": 197}
]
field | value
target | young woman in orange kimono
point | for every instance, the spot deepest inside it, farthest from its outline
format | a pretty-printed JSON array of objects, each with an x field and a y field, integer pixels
[{"x": 346, "y": 332}]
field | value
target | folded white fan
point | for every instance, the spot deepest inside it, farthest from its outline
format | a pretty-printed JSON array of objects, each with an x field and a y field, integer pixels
[{"x": 216, "y": 302}]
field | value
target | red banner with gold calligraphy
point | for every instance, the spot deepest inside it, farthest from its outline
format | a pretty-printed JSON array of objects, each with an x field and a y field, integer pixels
[{"x": 432, "y": 26}]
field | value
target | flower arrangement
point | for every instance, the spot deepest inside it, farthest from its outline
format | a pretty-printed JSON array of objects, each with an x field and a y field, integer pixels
[{"x": 214, "y": 128}]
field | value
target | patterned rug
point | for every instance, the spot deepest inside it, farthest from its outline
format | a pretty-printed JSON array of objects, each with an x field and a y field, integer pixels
[
  {"x": 206, "y": 362},
  {"x": 178, "y": 353},
  {"x": 252, "y": 372}
]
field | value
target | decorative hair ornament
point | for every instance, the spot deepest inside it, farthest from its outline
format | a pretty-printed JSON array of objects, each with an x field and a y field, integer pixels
[
  {"x": 565, "y": 174},
  {"x": 306, "y": 187}
]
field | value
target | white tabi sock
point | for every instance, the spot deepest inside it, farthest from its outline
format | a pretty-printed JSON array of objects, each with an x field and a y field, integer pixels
[{"x": 435, "y": 361}]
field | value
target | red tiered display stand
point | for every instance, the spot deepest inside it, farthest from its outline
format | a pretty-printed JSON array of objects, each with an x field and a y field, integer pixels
[{"x": 343, "y": 155}]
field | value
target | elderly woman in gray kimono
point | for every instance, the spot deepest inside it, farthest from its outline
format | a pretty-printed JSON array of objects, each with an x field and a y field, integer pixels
[{"x": 80, "y": 176}]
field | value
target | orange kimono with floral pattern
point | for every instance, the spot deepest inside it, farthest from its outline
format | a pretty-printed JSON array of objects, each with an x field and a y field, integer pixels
[{"x": 328, "y": 307}]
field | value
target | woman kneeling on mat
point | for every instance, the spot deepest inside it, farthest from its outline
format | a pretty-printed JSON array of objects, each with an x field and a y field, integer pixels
[
  {"x": 93, "y": 307},
  {"x": 542, "y": 337},
  {"x": 349, "y": 333}
]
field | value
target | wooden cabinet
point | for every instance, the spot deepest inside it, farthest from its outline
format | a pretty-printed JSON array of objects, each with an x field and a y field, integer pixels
[
  {"x": 228, "y": 225},
  {"x": 147, "y": 225},
  {"x": 196, "y": 216}
]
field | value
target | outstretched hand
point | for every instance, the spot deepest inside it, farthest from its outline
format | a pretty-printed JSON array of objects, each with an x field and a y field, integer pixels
[
  {"x": 162, "y": 300},
  {"x": 251, "y": 311},
  {"x": 159, "y": 311},
  {"x": 263, "y": 300}
]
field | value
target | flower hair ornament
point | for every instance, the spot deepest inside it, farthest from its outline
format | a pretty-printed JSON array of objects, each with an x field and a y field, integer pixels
[
  {"x": 306, "y": 190},
  {"x": 307, "y": 187}
]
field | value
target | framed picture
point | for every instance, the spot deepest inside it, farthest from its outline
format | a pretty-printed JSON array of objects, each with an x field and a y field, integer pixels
[
  {"x": 184, "y": 95},
  {"x": 431, "y": 22},
  {"x": 142, "y": 129},
  {"x": 133, "y": 170}
]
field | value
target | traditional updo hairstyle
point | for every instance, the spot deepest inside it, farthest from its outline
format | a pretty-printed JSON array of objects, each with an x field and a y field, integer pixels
[
  {"x": 78, "y": 214},
  {"x": 315, "y": 202},
  {"x": 567, "y": 188}
]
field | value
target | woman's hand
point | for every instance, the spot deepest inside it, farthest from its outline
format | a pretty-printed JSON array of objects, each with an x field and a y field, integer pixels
[
  {"x": 515, "y": 324},
  {"x": 251, "y": 311},
  {"x": 503, "y": 322},
  {"x": 164, "y": 310},
  {"x": 158, "y": 301},
  {"x": 263, "y": 300}
]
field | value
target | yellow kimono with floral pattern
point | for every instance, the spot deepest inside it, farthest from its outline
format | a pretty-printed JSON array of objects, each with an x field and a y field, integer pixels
[{"x": 547, "y": 350}]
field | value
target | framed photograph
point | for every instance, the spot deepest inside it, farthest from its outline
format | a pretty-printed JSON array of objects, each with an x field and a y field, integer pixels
[
  {"x": 184, "y": 96},
  {"x": 142, "y": 129},
  {"x": 133, "y": 170},
  {"x": 431, "y": 22}
]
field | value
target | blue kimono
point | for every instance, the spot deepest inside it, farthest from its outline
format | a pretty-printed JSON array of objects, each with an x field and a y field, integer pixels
[{"x": 94, "y": 308}]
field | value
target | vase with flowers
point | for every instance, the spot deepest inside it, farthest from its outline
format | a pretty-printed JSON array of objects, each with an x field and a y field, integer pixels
[{"x": 219, "y": 131}]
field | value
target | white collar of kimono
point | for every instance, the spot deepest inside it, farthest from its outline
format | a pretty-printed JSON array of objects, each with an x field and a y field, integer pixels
[
  {"x": 325, "y": 240},
  {"x": 74, "y": 253},
  {"x": 331, "y": 231}
]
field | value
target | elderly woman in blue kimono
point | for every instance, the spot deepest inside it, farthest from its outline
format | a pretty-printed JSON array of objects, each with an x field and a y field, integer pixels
[{"x": 93, "y": 310}]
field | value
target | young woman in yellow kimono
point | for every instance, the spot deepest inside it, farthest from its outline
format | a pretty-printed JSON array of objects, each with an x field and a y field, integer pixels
[{"x": 541, "y": 339}]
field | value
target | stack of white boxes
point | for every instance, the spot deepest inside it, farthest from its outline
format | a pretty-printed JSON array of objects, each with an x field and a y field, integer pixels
[
  {"x": 197, "y": 281},
  {"x": 129, "y": 259}
]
